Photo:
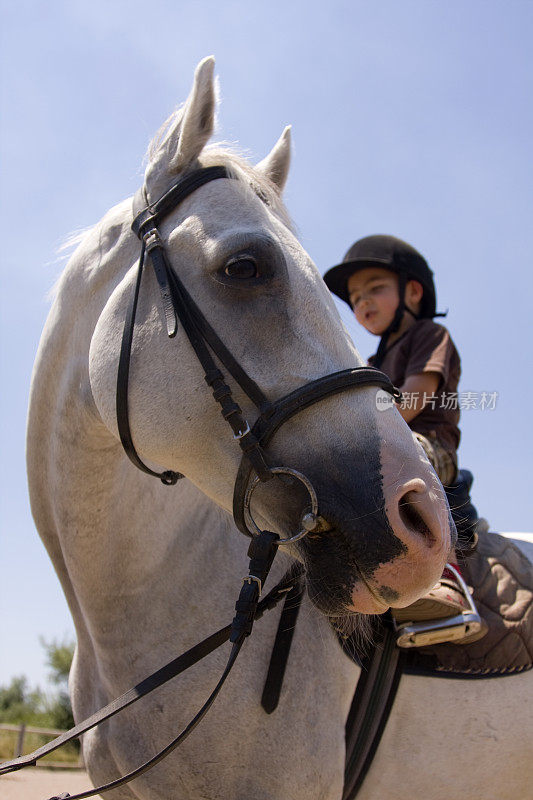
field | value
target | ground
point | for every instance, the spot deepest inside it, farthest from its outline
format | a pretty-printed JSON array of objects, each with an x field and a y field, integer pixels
[{"x": 34, "y": 783}]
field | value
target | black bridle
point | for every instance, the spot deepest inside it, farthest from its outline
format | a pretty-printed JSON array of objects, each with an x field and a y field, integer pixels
[{"x": 179, "y": 306}]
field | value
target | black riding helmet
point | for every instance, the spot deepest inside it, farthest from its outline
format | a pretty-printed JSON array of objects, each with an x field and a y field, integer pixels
[
  {"x": 392, "y": 254},
  {"x": 389, "y": 253}
]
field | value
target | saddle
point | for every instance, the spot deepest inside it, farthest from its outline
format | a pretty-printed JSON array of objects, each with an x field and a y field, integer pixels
[{"x": 500, "y": 578}]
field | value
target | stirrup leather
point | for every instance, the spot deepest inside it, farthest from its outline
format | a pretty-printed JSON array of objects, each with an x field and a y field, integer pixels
[{"x": 438, "y": 631}]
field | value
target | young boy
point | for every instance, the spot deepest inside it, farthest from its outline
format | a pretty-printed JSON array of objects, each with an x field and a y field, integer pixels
[{"x": 390, "y": 288}]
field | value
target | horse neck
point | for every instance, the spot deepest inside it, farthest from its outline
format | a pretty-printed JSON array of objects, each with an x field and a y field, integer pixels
[{"x": 105, "y": 524}]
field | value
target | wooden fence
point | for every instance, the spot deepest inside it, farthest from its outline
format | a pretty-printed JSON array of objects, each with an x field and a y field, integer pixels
[{"x": 22, "y": 730}]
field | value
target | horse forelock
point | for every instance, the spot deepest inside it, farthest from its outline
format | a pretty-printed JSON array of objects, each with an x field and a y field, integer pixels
[{"x": 226, "y": 154}]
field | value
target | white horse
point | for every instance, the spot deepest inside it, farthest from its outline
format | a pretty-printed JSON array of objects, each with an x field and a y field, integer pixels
[{"x": 148, "y": 570}]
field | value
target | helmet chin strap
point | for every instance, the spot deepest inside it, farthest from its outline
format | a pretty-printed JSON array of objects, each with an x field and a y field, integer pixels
[{"x": 396, "y": 322}]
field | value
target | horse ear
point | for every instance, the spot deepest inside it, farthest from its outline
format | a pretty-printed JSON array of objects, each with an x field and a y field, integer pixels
[
  {"x": 276, "y": 165},
  {"x": 195, "y": 126}
]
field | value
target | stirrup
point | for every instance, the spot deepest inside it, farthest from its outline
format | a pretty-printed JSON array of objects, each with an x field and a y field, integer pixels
[{"x": 450, "y": 629}]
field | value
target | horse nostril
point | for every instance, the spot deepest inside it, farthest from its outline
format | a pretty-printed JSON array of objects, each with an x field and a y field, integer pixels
[{"x": 410, "y": 514}]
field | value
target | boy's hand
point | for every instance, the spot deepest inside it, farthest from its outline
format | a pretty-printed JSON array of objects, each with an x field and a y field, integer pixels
[{"x": 418, "y": 387}]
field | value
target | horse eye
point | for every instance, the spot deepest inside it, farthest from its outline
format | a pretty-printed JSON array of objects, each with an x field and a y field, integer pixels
[{"x": 244, "y": 267}]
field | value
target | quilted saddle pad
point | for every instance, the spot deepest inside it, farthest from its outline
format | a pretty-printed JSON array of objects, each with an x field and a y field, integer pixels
[{"x": 502, "y": 581}]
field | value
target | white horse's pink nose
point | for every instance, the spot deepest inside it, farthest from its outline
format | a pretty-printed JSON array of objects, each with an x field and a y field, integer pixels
[{"x": 420, "y": 520}]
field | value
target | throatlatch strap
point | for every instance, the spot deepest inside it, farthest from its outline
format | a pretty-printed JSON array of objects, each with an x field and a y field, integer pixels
[{"x": 167, "y": 477}]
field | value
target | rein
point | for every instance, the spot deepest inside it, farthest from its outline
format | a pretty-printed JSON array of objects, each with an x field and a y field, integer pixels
[
  {"x": 179, "y": 306},
  {"x": 262, "y": 551}
]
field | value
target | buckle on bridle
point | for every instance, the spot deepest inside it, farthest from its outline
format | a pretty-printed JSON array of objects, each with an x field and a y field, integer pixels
[
  {"x": 242, "y": 434},
  {"x": 254, "y": 579},
  {"x": 152, "y": 239}
]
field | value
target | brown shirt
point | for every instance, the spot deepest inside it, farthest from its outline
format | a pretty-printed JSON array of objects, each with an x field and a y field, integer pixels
[{"x": 428, "y": 347}]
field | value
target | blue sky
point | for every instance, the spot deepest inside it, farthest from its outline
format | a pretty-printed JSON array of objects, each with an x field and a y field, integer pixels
[{"x": 412, "y": 118}]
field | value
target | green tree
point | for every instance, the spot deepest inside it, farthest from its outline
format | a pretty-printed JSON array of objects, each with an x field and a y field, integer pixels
[
  {"x": 20, "y": 703},
  {"x": 59, "y": 657}
]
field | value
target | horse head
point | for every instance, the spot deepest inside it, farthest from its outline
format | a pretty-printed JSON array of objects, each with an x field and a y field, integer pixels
[{"x": 384, "y": 530}]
